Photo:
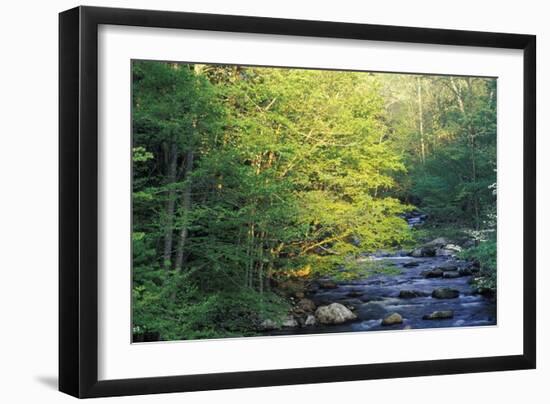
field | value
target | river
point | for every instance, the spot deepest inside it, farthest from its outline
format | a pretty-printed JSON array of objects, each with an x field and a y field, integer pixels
[{"x": 375, "y": 297}]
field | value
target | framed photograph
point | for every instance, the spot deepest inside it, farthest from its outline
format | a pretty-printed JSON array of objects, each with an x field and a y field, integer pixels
[{"x": 251, "y": 201}]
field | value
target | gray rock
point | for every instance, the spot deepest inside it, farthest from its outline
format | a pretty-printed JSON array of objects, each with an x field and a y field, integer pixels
[
  {"x": 289, "y": 322},
  {"x": 411, "y": 264},
  {"x": 434, "y": 273},
  {"x": 410, "y": 294},
  {"x": 334, "y": 313},
  {"x": 445, "y": 293},
  {"x": 453, "y": 247},
  {"x": 417, "y": 252},
  {"x": 438, "y": 242},
  {"x": 448, "y": 266},
  {"x": 394, "y": 318},
  {"x": 423, "y": 252},
  {"x": 439, "y": 315},
  {"x": 310, "y": 321},
  {"x": 443, "y": 252}
]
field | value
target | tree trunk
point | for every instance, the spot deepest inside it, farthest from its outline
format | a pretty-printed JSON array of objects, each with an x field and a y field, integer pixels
[
  {"x": 472, "y": 142},
  {"x": 474, "y": 176},
  {"x": 186, "y": 206},
  {"x": 421, "y": 120},
  {"x": 170, "y": 204}
]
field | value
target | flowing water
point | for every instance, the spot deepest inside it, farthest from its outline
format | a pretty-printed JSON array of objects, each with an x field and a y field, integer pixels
[{"x": 375, "y": 297}]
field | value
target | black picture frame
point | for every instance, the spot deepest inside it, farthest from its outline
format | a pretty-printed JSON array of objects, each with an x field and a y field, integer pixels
[{"x": 78, "y": 201}]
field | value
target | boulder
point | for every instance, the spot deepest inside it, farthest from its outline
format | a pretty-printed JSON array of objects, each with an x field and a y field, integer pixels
[
  {"x": 306, "y": 305},
  {"x": 439, "y": 315},
  {"x": 423, "y": 252},
  {"x": 434, "y": 273},
  {"x": 410, "y": 294},
  {"x": 448, "y": 250},
  {"x": 445, "y": 293},
  {"x": 417, "y": 252},
  {"x": 394, "y": 318},
  {"x": 334, "y": 313},
  {"x": 310, "y": 321},
  {"x": 442, "y": 252},
  {"x": 453, "y": 247},
  {"x": 411, "y": 264},
  {"x": 289, "y": 322},
  {"x": 448, "y": 266},
  {"x": 299, "y": 294}
]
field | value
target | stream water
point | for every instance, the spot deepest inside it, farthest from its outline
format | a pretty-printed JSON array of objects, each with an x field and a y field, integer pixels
[{"x": 375, "y": 297}]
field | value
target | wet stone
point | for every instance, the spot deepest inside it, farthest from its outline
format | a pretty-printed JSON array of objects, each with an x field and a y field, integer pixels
[
  {"x": 445, "y": 293},
  {"x": 439, "y": 315}
]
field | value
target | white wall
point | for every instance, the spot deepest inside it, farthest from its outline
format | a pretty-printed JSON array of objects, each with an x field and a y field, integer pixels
[{"x": 28, "y": 214}]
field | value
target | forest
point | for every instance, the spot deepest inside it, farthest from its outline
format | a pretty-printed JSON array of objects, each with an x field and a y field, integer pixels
[{"x": 271, "y": 201}]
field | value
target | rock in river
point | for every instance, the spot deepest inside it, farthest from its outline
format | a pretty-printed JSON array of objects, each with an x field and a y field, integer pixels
[
  {"x": 394, "y": 318},
  {"x": 438, "y": 242},
  {"x": 434, "y": 273},
  {"x": 442, "y": 252},
  {"x": 445, "y": 293},
  {"x": 423, "y": 252},
  {"x": 448, "y": 266},
  {"x": 439, "y": 315},
  {"x": 334, "y": 313},
  {"x": 465, "y": 271},
  {"x": 410, "y": 294}
]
